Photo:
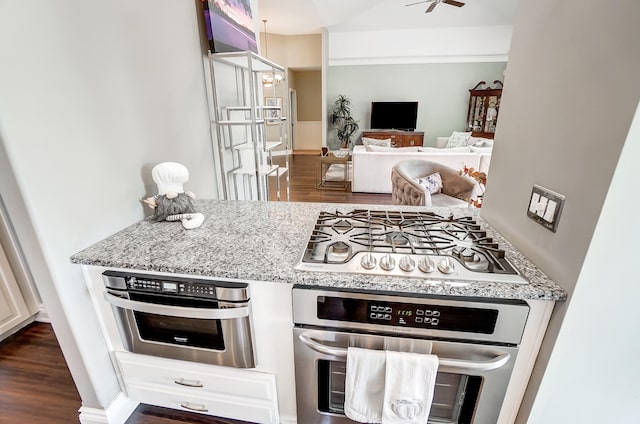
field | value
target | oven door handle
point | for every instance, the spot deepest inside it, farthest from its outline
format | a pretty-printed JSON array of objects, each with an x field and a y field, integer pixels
[
  {"x": 457, "y": 364},
  {"x": 177, "y": 311}
]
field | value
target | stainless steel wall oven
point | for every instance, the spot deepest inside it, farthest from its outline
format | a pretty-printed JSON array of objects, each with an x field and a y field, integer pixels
[
  {"x": 190, "y": 319},
  {"x": 476, "y": 343}
]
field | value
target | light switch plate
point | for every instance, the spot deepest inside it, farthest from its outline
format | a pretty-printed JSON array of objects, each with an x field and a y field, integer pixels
[{"x": 545, "y": 207}]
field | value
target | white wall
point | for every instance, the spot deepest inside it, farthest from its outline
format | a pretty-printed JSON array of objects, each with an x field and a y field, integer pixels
[
  {"x": 593, "y": 375},
  {"x": 298, "y": 54},
  {"x": 571, "y": 91},
  {"x": 93, "y": 95},
  {"x": 435, "y": 45},
  {"x": 308, "y": 135}
]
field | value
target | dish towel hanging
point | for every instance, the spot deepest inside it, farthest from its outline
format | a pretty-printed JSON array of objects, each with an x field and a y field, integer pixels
[
  {"x": 364, "y": 385},
  {"x": 409, "y": 384}
]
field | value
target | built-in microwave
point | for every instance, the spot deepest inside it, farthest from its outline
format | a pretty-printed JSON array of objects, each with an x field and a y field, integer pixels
[{"x": 191, "y": 319}]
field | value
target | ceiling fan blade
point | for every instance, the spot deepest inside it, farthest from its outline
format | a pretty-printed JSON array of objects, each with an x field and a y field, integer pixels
[
  {"x": 431, "y": 7},
  {"x": 453, "y": 3},
  {"x": 418, "y": 2}
]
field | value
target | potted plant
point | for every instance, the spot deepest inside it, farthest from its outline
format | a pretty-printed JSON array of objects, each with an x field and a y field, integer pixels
[{"x": 340, "y": 117}]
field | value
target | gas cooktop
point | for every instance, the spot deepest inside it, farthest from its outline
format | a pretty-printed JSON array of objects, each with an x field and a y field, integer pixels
[{"x": 411, "y": 244}]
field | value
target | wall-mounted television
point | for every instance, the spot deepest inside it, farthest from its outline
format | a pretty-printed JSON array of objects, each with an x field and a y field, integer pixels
[
  {"x": 229, "y": 25},
  {"x": 394, "y": 115}
]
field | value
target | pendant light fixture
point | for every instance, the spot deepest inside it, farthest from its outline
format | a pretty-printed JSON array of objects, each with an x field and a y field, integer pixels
[{"x": 268, "y": 79}]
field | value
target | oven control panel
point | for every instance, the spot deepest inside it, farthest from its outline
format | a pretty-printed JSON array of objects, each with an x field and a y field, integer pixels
[
  {"x": 430, "y": 317},
  {"x": 176, "y": 286},
  {"x": 167, "y": 286},
  {"x": 398, "y": 314}
]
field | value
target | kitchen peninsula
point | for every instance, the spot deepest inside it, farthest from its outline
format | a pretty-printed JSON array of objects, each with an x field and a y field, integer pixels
[{"x": 260, "y": 243}]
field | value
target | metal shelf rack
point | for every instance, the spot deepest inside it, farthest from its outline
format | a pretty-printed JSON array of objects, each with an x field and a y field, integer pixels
[{"x": 248, "y": 119}]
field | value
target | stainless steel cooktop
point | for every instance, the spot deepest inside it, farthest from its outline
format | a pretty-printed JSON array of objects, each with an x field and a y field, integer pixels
[{"x": 413, "y": 244}]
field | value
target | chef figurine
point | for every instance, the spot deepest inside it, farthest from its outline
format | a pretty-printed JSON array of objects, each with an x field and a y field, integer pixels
[{"x": 172, "y": 203}]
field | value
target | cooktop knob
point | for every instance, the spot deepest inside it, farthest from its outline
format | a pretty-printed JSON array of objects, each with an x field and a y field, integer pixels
[
  {"x": 446, "y": 266},
  {"x": 426, "y": 265},
  {"x": 387, "y": 262},
  {"x": 368, "y": 261},
  {"x": 407, "y": 264}
]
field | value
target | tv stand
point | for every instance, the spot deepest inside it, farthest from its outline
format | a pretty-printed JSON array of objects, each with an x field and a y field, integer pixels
[{"x": 398, "y": 138}]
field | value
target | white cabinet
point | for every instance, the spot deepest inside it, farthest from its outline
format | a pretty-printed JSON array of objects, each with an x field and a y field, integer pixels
[
  {"x": 219, "y": 391},
  {"x": 247, "y": 98},
  {"x": 265, "y": 394},
  {"x": 13, "y": 310}
]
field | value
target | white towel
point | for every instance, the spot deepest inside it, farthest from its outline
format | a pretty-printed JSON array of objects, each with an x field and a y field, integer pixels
[
  {"x": 409, "y": 384},
  {"x": 364, "y": 385}
]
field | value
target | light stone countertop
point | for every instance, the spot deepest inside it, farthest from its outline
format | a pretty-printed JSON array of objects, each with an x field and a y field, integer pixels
[{"x": 263, "y": 241}]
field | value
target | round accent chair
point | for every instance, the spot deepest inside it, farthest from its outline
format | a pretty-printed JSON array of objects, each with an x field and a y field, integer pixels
[{"x": 455, "y": 189}]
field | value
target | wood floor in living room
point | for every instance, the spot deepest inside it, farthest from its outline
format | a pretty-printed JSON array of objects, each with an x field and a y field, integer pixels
[{"x": 303, "y": 181}]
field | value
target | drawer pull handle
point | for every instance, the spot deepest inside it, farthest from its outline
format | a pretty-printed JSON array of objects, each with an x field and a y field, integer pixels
[
  {"x": 194, "y": 406},
  {"x": 188, "y": 383}
]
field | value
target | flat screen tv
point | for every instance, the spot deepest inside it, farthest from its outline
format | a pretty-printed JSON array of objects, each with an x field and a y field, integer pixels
[
  {"x": 229, "y": 25},
  {"x": 394, "y": 115}
]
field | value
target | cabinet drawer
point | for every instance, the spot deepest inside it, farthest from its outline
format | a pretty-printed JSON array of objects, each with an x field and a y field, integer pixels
[
  {"x": 210, "y": 404},
  {"x": 196, "y": 378}
]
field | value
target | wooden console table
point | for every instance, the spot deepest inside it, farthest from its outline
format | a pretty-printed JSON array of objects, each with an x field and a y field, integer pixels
[{"x": 398, "y": 138}]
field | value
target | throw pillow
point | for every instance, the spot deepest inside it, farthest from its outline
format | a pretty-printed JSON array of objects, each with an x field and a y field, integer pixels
[
  {"x": 480, "y": 142},
  {"x": 432, "y": 183},
  {"x": 366, "y": 141},
  {"x": 458, "y": 139}
]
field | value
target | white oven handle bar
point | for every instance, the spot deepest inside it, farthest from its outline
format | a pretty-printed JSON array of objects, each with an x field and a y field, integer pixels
[
  {"x": 177, "y": 311},
  {"x": 491, "y": 364}
]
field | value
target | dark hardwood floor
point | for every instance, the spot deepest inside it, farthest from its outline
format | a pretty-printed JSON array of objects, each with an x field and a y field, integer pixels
[
  {"x": 35, "y": 383},
  {"x": 302, "y": 169},
  {"x": 147, "y": 414}
]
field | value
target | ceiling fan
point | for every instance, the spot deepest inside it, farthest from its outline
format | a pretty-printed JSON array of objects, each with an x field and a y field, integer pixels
[{"x": 434, "y": 3}]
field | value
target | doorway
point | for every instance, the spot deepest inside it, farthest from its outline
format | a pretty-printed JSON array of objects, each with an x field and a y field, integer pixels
[{"x": 307, "y": 110}]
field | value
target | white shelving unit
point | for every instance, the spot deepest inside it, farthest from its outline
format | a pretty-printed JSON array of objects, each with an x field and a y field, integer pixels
[{"x": 248, "y": 124}]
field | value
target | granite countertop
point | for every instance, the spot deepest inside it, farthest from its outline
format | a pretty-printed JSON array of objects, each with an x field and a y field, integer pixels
[{"x": 263, "y": 241}]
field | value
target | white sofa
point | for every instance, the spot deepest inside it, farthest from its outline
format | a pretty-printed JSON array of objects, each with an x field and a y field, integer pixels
[{"x": 372, "y": 169}]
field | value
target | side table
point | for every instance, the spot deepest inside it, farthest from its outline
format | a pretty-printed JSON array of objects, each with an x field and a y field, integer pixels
[{"x": 324, "y": 163}]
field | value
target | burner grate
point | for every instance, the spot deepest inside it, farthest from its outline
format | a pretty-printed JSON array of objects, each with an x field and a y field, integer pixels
[{"x": 338, "y": 237}]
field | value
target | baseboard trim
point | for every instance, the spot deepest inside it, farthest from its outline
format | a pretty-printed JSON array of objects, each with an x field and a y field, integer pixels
[
  {"x": 306, "y": 152},
  {"x": 43, "y": 315},
  {"x": 117, "y": 413}
]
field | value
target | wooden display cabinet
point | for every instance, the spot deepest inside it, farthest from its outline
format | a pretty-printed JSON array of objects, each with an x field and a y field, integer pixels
[
  {"x": 398, "y": 138},
  {"x": 484, "y": 105}
]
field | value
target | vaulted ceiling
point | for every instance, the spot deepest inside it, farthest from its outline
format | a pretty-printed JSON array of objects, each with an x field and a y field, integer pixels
[{"x": 290, "y": 17}]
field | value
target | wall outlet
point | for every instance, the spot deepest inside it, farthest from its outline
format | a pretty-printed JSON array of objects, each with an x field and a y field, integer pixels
[{"x": 545, "y": 207}]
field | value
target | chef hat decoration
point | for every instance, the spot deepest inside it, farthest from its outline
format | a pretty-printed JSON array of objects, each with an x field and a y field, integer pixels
[
  {"x": 170, "y": 177},
  {"x": 172, "y": 203}
]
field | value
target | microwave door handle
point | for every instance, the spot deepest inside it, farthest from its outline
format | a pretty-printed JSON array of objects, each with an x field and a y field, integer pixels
[
  {"x": 177, "y": 311},
  {"x": 454, "y": 364}
]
